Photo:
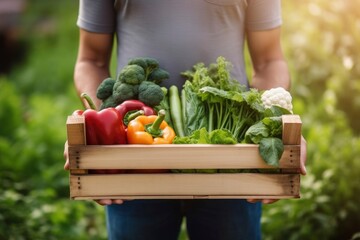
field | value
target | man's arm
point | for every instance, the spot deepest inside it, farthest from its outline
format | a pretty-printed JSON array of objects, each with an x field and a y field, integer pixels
[
  {"x": 270, "y": 70},
  {"x": 269, "y": 65},
  {"x": 92, "y": 63},
  {"x": 91, "y": 68}
]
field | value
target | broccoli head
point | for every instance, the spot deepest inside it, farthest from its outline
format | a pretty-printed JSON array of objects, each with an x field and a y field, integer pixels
[
  {"x": 148, "y": 64},
  {"x": 105, "y": 88},
  {"x": 158, "y": 75},
  {"x": 109, "y": 102},
  {"x": 132, "y": 74},
  {"x": 124, "y": 91},
  {"x": 150, "y": 93}
]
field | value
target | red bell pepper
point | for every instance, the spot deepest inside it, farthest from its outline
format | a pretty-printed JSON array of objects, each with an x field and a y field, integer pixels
[
  {"x": 103, "y": 127},
  {"x": 128, "y": 107}
]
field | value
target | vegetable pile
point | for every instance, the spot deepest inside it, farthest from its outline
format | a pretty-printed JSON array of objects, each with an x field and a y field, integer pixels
[
  {"x": 210, "y": 108},
  {"x": 211, "y": 99},
  {"x": 222, "y": 102}
]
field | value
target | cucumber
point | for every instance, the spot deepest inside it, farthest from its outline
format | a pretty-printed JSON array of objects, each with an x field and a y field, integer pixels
[
  {"x": 183, "y": 111},
  {"x": 176, "y": 110}
]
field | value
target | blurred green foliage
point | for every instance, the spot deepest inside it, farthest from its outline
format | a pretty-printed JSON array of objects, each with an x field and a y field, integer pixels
[
  {"x": 322, "y": 44},
  {"x": 321, "y": 40},
  {"x": 35, "y": 99}
]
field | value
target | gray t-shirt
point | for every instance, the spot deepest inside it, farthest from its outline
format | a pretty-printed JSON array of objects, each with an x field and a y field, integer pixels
[{"x": 180, "y": 33}]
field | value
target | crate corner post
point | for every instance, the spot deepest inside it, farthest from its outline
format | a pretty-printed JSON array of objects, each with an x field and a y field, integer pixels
[
  {"x": 76, "y": 137},
  {"x": 75, "y": 128},
  {"x": 291, "y": 129}
]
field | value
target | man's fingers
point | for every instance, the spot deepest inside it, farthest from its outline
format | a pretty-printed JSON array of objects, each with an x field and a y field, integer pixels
[
  {"x": 105, "y": 202},
  {"x": 264, "y": 201},
  {"x": 66, "y": 156},
  {"x": 118, "y": 201},
  {"x": 66, "y": 165},
  {"x": 303, "y": 155},
  {"x": 269, "y": 201}
]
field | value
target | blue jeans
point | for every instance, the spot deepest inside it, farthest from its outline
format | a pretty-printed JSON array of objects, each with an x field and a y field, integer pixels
[{"x": 205, "y": 219}]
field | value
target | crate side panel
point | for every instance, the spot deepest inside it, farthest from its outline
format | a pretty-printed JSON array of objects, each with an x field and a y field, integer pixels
[
  {"x": 184, "y": 185},
  {"x": 176, "y": 157}
]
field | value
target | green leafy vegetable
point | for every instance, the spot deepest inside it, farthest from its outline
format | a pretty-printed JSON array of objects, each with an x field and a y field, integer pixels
[
  {"x": 271, "y": 150},
  {"x": 202, "y": 136},
  {"x": 256, "y": 132},
  {"x": 275, "y": 111},
  {"x": 193, "y": 110},
  {"x": 267, "y": 127},
  {"x": 227, "y": 103},
  {"x": 267, "y": 133},
  {"x": 164, "y": 104},
  {"x": 221, "y": 136},
  {"x": 274, "y": 126}
]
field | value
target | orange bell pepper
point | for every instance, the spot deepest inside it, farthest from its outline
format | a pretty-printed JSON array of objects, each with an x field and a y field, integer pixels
[{"x": 150, "y": 130}]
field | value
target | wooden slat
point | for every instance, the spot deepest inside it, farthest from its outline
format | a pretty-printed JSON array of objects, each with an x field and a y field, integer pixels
[
  {"x": 186, "y": 197},
  {"x": 176, "y": 156},
  {"x": 78, "y": 171},
  {"x": 187, "y": 185}
]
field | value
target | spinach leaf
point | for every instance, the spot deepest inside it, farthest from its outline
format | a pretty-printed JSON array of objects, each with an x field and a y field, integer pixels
[
  {"x": 271, "y": 150},
  {"x": 275, "y": 111},
  {"x": 194, "y": 114},
  {"x": 274, "y": 126},
  {"x": 256, "y": 133}
]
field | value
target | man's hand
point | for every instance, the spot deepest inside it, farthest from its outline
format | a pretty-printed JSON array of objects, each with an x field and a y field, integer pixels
[
  {"x": 302, "y": 171},
  {"x": 303, "y": 155},
  {"x": 66, "y": 156},
  {"x": 105, "y": 202},
  {"x": 102, "y": 202}
]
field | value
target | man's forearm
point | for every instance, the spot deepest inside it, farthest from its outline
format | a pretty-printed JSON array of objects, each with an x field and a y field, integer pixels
[
  {"x": 272, "y": 74},
  {"x": 87, "y": 77}
]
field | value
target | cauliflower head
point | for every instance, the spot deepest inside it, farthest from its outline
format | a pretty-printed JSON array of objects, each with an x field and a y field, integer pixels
[{"x": 277, "y": 97}]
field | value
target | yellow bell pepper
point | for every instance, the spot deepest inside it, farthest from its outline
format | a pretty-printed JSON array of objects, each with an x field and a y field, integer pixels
[{"x": 150, "y": 130}]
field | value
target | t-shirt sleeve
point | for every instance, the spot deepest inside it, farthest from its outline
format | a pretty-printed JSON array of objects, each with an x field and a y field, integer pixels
[
  {"x": 263, "y": 14},
  {"x": 97, "y": 16}
]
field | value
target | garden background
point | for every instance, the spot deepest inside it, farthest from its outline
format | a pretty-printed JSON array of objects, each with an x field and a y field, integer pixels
[{"x": 322, "y": 44}]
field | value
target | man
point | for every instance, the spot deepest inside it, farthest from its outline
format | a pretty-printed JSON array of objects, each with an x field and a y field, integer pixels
[{"x": 180, "y": 33}]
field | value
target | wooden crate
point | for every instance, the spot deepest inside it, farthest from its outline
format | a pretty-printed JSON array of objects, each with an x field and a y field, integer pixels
[{"x": 83, "y": 185}]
